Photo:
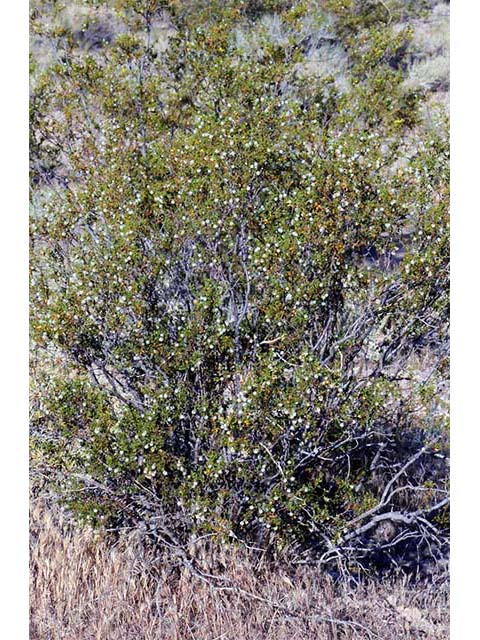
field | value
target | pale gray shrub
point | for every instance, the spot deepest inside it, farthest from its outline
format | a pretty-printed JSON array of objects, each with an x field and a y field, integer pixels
[
  {"x": 93, "y": 27},
  {"x": 315, "y": 28},
  {"x": 429, "y": 56},
  {"x": 161, "y": 33},
  {"x": 323, "y": 56},
  {"x": 328, "y": 60},
  {"x": 250, "y": 39},
  {"x": 432, "y": 73},
  {"x": 274, "y": 29}
]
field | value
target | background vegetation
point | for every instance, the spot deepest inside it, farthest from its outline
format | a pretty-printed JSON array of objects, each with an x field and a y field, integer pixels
[{"x": 239, "y": 254}]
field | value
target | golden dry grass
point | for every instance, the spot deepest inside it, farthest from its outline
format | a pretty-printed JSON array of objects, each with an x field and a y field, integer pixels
[{"x": 84, "y": 588}]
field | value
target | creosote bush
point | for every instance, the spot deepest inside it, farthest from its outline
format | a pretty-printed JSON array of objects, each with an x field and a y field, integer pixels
[{"x": 243, "y": 282}]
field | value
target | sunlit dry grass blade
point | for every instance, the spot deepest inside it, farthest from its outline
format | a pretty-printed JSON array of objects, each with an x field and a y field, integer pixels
[{"x": 84, "y": 587}]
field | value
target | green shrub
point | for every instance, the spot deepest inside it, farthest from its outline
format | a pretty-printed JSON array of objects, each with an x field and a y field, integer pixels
[{"x": 242, "y": 286}]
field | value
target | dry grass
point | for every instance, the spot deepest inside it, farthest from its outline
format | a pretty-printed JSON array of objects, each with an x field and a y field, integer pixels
[{"x": 82, "y": 589}]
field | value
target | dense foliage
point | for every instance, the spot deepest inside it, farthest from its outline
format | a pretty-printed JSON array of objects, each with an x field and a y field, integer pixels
[{"x": 240, "y": 276}]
